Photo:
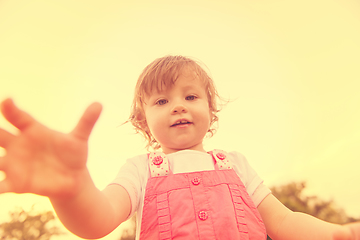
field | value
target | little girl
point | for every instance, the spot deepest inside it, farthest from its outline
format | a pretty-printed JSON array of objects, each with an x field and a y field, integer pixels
[{"x": 180, "y": 192}]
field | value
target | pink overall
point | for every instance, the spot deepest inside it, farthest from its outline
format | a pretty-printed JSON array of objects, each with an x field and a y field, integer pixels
[{"x": 198, "y": 205}]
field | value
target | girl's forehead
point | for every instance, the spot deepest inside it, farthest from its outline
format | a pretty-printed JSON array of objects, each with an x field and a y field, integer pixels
[
  {"x": 183, "y": 82},
  {"x": 167, "y": 80}
]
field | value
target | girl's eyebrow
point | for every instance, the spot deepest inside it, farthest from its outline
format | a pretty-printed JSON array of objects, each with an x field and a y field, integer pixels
[
  {"x": 192, "y": 87},
  {"x": 154, "y": 95}
]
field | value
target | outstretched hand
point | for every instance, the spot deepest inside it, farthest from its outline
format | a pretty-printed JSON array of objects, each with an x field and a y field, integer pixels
[{"x": 40, "y": 160}]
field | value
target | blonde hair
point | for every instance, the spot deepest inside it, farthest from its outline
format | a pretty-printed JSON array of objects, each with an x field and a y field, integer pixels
[{"x": 161, "y": 73}]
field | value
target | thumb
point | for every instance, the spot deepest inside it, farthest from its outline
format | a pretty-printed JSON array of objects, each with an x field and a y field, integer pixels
[{"x": 87, "y": 121}]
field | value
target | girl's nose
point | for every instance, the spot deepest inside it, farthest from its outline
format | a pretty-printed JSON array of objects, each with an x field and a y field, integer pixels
[{"x": 179, "y": 108}]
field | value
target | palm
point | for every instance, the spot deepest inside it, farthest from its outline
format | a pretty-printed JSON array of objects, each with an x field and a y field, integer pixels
[{"x": 40, "y": 160}]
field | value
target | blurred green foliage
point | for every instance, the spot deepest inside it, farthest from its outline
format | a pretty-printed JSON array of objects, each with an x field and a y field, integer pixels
[
  {"x": 293, "y": 197},
  {"x": 29, "y": 226},
  {"x": 130, "y": 232}
]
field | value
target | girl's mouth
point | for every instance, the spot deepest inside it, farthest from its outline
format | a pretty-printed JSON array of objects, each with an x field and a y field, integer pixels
[{"x": 181, "y": 123}]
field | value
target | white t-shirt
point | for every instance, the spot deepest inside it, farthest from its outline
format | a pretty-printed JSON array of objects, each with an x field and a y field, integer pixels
[{"x": 134, "y": 174}]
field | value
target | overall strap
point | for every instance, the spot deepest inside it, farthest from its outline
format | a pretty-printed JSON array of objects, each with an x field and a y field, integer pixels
[
  {"x": 158, "y": 164},
  {"x": 221, "y": 159},
  {"x": 223, "y": 163}
]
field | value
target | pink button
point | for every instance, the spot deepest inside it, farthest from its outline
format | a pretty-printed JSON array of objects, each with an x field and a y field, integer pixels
[
  {"x": 221, "y": 156},
  {"x": 196, "y": 181},
  {"x": 203, "y": 215},
  {"x": 157, "y": 160}
]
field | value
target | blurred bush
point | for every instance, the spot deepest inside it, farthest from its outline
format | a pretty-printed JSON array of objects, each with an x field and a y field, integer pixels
[
  {"x": 293, "y": 197},
  {"x": 29, "y": 226}
]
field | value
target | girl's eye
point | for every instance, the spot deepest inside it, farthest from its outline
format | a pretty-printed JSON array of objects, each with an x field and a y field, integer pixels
[
  {"x": 191, "y": 97},
  {"x": 161, "y": 102}
]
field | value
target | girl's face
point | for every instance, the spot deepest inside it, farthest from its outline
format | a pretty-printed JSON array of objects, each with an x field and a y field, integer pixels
[{"x": 178, "y": 116}]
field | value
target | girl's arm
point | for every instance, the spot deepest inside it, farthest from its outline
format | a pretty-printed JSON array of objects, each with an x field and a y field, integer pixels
[
  {"x": 45, "y": 162},
  {"x": 283, "y": 224},
  {"x": 93, "y": 213}
]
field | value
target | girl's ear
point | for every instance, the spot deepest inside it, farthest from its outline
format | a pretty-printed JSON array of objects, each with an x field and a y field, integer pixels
[
  {"x": 212, "y": 115},
  {"x": 141, "y": 120}
]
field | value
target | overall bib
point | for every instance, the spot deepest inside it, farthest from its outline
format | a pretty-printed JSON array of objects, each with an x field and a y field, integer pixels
[{"x": 198, "y": 205}]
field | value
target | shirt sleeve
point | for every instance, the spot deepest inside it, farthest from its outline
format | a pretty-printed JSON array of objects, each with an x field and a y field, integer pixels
[
  {"x": 131, "y": 176},
  {"x": 251, "y": 180}
]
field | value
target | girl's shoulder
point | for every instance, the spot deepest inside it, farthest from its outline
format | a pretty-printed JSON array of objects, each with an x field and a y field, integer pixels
[
  {"x": 237, "y": 157},
  {"x": 135, "y": 165}
]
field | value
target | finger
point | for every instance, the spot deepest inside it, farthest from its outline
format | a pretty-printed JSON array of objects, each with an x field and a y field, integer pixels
[
  {"x": 15, "y": 116},
  {"x": 5, "y": 138},
  {"x": 87, "y": 121}
]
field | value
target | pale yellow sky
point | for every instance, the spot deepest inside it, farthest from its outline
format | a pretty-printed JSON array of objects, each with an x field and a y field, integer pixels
[{"x": 290, "y": 66}]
